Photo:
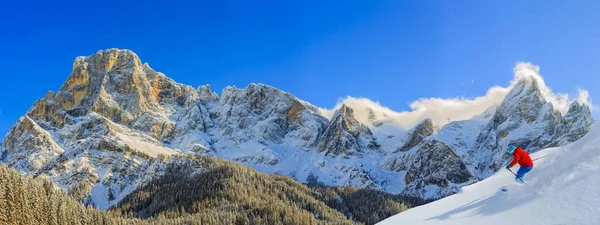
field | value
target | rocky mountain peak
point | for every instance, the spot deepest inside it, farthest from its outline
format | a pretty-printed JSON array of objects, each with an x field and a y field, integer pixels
[
  {"x": 264, "y": 113},
  {"x": 578, "y": 108},
  {"x": 527, "y": 86},
  {"x": 206, "y": 93},
  {"x": 115, "y": 68},
  {"x": 436, "y": 166},
  {"x": 525, "y": 100},
  {"x": 260, "y": 98},
  {"x": 111, "y": 60},
  {"x": 574, "y": 125},
  {"x": 115, "y": 84},
  {"x": 526, "y": 112},
  {"x": 345, "y": 112},
  {"x": 345, "y": 135},
  {"x": 416, "y": 135},
  {"x": 343, "y": 119}
]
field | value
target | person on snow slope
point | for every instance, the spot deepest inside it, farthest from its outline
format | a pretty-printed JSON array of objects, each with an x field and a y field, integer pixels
[{"x": 520, "y": 156}]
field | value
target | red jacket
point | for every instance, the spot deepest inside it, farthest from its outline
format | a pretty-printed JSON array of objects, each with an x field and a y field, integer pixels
[{"x": 521, "y": 157}]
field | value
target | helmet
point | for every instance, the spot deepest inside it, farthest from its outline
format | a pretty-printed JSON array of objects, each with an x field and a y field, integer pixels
[{"x": 511, "y": 149}]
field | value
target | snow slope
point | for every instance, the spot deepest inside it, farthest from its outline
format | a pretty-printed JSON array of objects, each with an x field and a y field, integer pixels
[{"x": 561, "y": 189}]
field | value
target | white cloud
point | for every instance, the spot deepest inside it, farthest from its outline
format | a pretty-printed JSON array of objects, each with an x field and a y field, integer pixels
[
  {"x": 444, "y": 110},
  {"x": 561, "y": 101},
  {"x": 584, "y": 97}
]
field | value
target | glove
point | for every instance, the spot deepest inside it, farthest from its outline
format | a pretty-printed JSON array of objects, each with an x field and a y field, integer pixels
[{"x": 507, "y": 167}]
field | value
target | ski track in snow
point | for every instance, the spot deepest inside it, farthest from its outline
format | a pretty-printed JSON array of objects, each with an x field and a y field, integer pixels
[{"x": 562, "y": 188}]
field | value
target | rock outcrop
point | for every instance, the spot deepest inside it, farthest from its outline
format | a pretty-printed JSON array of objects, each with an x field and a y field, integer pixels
[
  {"x": 345, "y": 135},
  {"x": 436, "y": 166},
  {"x": 418, "y": 134}
]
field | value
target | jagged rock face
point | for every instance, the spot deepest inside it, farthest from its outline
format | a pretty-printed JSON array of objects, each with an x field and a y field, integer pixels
[
  {"x": 101, "y": 133},
  {"x": 30, "y": 146},
  {"x": 402, "y": 159},
  {"x": 418, "y": 134},
  {"x": 397, "y": 163},
  {"x": 574, "y": 125},
  {"x": 112, "y": 83},
  {"x": 269, "y": 115},
  {"x": 524, "y": 118},
  {"x": 523, "y": 102},
  {"x": 345, "y": 135},
  {"x": 436, "y": 167},
  {"x": 76, "y": 136}
]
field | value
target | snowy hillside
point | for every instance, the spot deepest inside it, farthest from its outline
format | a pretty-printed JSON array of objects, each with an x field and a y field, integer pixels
[{"x": 562, "y": 188}]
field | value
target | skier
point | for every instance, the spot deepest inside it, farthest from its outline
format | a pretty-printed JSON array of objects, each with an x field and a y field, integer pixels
[{"x": 520, "y": 156}]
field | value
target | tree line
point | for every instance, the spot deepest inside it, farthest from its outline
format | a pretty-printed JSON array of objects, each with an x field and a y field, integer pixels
[
  {"x": 222, "y": 192},
  {"x": 226, "y": 188}
]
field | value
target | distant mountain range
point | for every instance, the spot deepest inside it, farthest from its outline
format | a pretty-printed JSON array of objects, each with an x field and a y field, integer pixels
[{"x": 103, "y": 133}]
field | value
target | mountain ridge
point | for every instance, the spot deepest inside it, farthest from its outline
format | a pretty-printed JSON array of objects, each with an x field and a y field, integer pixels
[
  {"x": 102, "y": 128},
  {"x": 562, "y": 177}
]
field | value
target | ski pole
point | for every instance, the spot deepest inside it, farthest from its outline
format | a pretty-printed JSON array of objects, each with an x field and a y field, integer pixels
[
  {"x": 517, "y": 176},
  {"x": 539, "y": 158}
]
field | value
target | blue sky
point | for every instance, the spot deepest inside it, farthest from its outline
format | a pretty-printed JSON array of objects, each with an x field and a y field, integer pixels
[{"x": 393, "y": 52}]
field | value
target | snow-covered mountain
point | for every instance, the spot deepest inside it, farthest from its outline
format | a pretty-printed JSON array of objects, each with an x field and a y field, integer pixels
[
  {"x": 108, "y": 123},
  {"x": 562, "y": 188}
]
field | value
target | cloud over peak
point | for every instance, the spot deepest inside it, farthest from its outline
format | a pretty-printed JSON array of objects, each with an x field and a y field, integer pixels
[{"x": 445, "y": 110}]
